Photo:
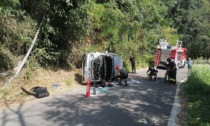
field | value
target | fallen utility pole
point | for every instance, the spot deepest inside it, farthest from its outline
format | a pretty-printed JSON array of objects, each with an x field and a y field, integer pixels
[{"x": 26, "y": 56}]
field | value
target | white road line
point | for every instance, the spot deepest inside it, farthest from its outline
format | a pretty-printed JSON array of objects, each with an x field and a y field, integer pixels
[{"x": 176, "y": 107}]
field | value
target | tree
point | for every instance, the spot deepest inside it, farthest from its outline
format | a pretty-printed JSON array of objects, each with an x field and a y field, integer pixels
[
  {"x": 192, "y": 20},
  {"x": 65, "y": 27}
]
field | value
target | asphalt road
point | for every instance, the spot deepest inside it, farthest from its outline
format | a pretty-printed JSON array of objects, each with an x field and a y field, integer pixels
[{"x": 142, "y": 103}]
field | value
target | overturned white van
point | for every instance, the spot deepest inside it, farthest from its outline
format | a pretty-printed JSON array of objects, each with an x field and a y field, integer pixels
[{"x": 100, "y": 67}]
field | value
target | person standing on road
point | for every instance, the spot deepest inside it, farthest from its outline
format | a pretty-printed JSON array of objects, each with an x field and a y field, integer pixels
[
  {"x": 172, "y": 71},
  {"x": 133, "y": 64},
  {"x": 189, "y": 65}
]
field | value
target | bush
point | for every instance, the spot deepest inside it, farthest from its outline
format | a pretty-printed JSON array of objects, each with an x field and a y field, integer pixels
[{"x": 6, "y": 60}]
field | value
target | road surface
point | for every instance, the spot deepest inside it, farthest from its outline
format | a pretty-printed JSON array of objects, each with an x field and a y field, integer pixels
[{"x": 142, "y": 103}]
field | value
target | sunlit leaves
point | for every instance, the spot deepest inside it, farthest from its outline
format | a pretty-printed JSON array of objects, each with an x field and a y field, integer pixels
[{"x": 95, "y": 12}]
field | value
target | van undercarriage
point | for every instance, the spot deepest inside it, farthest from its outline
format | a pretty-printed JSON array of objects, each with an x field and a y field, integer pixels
[{"x": 102, "y": 68}]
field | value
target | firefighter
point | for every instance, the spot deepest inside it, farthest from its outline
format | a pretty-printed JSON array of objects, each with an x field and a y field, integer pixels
[
  {"x": 172, "y": 71},
  {"x": 152, "y": 72},
  {"x": 133, "y": 64},
  {"x": 167, "y": 72},
  {"x": 122, "y": 75}
]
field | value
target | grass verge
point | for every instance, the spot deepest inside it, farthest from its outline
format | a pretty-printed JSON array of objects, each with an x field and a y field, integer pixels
[{"x": 197, "y": 91}]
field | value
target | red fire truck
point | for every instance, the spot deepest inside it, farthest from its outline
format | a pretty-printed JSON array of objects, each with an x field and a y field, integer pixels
[{"x": 176, "y": 53}]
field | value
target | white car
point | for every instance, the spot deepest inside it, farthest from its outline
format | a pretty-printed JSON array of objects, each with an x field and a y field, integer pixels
[{"x": 100, "y": 67}]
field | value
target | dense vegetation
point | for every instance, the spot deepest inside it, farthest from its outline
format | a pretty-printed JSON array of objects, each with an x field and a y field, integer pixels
[
  {"x": 192, "y": 21},
  {"x": 198, "y": 92},
  {"x": 127, "y": 27},
  {"x": 74, "y": 27}
]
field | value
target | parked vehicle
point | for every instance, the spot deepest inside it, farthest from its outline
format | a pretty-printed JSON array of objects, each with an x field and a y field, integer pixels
[
  {"x": 176, "y": 53},
  {"x": 100, "y": 67}
]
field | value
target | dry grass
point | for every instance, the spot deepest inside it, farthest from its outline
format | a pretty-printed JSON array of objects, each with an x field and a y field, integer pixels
[{"x": 12, "y": 94}]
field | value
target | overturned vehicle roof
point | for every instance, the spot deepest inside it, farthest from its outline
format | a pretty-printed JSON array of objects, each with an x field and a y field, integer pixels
[{"x": 100, "y": 67}]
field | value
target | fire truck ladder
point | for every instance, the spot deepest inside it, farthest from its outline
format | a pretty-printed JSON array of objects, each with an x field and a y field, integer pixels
[{"x": 179, "y": 43}]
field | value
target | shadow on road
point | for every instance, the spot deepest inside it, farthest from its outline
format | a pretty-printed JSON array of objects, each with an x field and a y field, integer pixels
[
  {"x": 147, "y": 103},
  {"x": 144, "y": 104}
]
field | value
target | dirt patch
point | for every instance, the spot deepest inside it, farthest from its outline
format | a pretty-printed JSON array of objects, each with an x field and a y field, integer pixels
[{"x": 12, "y": 95}]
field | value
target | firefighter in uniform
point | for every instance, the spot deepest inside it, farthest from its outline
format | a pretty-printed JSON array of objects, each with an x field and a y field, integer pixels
[
  {"x": 152, "y": 72},
  {"x": 122, "y": 75},
  {"x": 167, "y": 72},
  {"x": 172, "y": 71}
]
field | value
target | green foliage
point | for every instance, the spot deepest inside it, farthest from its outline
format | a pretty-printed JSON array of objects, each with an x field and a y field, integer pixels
[
  {"x": 16, "y": 35},
  {"x": 153, "y": 14},
  {"x": 95, "y": 11},
  {"x": 9, "y": 8},
  {"x": 192, "y": 20},
  {"x": 198, "y": 91},
  {"x": 127, "y": 27},
  {"x": 47, "y": 57},
  {"x": 124, "y": 27},
  {"x": 66, "y": 26},
  {"x": 111, "y": 25},
  {"x": 171, "y": 35},
  {"x": 6, "y": 59}
]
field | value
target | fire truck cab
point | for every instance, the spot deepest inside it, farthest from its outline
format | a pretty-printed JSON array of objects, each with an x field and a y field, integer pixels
[{"x": 176, "y": 53}]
